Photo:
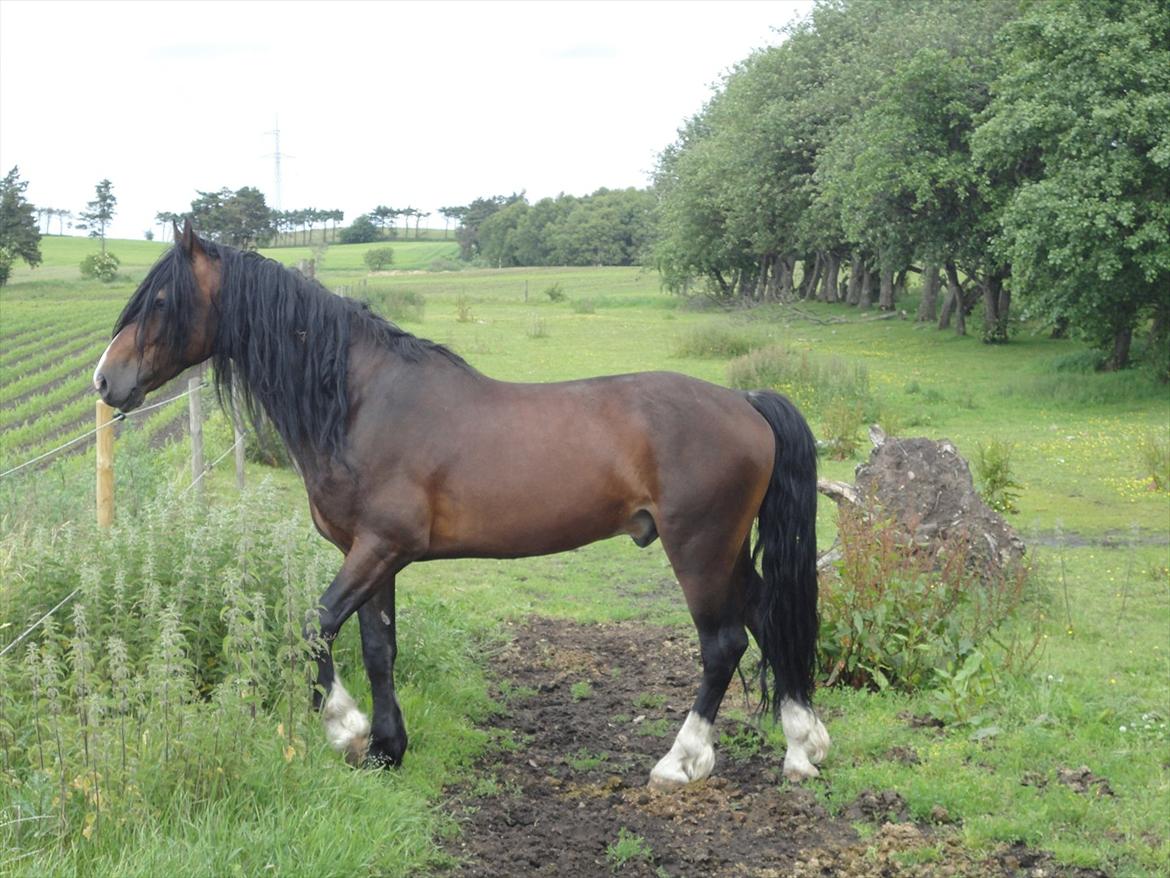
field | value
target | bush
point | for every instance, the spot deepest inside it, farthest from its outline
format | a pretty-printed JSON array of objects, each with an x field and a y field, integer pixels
[
  {"x": 814, "y": 384},
  {"x": 379, "y": 258},
  {"x": 555, "y": 293},
  {"x": 1154, "y": 451},
  {"x": 103, "y": 266},
  {"x": 463, "y": 309},
  {"x": 361, "y": 231},
  {"x": 993, "y": 471},
  {"x": 716, "y": 341},
  {"x": 909, "y": 617},
  {"x": 839, "y": 428},
  {"x": 398, "y": 305}
]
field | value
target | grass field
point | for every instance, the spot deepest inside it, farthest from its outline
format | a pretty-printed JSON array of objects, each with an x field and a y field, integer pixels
[{"x": 1098, "y": 696}]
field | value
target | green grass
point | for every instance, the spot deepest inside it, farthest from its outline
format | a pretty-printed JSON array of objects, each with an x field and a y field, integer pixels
[{"x": 1086, "y": 504}]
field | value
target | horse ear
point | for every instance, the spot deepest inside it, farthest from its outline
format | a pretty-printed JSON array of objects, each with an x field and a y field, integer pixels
[{"x": 186, "y": 239}]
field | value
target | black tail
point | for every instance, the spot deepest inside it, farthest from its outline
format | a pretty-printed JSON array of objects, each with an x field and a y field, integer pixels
[{"x": 785, "y": 603}]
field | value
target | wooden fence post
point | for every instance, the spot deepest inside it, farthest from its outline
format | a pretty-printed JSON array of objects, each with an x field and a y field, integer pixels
[
  {"x": 239, "y": 456},
  {"x": 195, "y": 410},
  {"x": 105, "y": 465}
]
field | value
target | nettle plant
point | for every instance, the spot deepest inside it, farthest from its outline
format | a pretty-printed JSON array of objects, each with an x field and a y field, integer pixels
[{"x": 907, "y": 617}]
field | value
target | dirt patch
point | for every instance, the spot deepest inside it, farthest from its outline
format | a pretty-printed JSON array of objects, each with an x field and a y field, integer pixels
[{"x": 591, "y": 708}]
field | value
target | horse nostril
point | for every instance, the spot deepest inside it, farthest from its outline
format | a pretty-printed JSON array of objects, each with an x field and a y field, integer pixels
[{"x": 99, "y": 381}]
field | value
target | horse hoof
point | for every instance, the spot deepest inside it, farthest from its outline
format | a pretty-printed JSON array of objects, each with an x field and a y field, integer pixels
[{"x": 799, "y": 769}]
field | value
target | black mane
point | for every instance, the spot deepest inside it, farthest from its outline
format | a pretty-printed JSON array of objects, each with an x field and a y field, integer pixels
[{"x": 283, "y": 343}]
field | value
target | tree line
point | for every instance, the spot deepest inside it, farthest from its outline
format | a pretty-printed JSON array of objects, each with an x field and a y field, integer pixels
[
  {"x": 1003, "y": 149},
  {"x": 609, "y": 227}
]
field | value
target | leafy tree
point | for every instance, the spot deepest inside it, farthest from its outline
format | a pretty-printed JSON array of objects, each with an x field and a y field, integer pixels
[
  {"x": 99, "y": 212},
  {"x": 379, "y": 258},
  {"x": 362, "y": 230},
  {"x": 240, "y": 218},
  {"x": 455, "y": 213},
  {"x": 20, "y": 237},
  {"x": 473, "y": 217},
  {"x": 1080, "y": 118}
]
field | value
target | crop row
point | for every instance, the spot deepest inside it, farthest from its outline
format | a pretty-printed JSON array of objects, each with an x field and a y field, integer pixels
[
  {"x": 63, "y": 368},
  {"x": 32, "y": 407},
  {"x": 19, "y": 356}
]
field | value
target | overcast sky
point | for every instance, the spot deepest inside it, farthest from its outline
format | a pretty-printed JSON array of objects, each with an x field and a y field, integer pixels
[{"x": 420, "y": 104}]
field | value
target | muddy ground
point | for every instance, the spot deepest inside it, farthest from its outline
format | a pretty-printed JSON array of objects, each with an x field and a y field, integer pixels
[{"x": 591, "y": 708}]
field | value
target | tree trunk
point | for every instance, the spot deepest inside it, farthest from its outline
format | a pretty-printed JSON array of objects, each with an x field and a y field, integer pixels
[
  {"x": 928, "y": 307},
  {"x": 856, "y": 270},
  {"x": 886, "y": 289},
  {"x": 831, "y": 278},
  {"x": 1003, "y": 311},
  {"x": 787, "y": 267},
  {"x": 810, "y": 271},
  {"x": 953, "y": 304},
  {"x": 1119, "y": 359},
  {"x": 865, "y": 294},
  {"x": 990, "y": 289},
  {"x": 900, "y": 284}
]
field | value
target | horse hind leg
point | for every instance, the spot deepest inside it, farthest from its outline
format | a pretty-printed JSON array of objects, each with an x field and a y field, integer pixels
[
  {"x": 716, "y": 607},
  {"x": 806, "y": 737}
]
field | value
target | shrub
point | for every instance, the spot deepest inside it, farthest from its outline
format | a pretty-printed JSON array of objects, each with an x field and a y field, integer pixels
[
  {"x": 379, "y": 258},
  {"x": 1154, "y": 452},
  {"x": 398, "y": 305},
  {"x": 839, "y": 428},
  {"x": 716, "y": 341},
  {"x": 361, "y": 231},
  {"x": 463, "y": 309},
  {"x": 993, "y": 471},
  {"x": 907, "y": 617},
  {"x": 555, "y": 293},
  {"x": 813, "y": 383},
  {"x": 103, "y": 266}
]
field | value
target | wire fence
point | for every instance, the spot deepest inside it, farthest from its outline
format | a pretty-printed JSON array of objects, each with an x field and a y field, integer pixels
[{"x": 118, "y": 416}]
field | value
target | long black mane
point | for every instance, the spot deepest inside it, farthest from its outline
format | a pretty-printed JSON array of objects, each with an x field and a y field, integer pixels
[{"x": 282, "y": 345}]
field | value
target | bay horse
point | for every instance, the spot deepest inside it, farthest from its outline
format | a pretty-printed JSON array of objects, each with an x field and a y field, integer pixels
[{"x": 410, "y": 454}]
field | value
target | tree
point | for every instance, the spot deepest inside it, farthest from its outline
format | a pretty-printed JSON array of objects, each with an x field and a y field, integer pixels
[
  {"x": 20, "y": 237},
  {"x": 99, "y": 212},
  {"x": 378, "y": 258},
  {"x": 451, "y": 213},
  {"x": 1080, "y": 119},
  {"x": 241, "y": 218},
  {"x": 362, "y": 230}
]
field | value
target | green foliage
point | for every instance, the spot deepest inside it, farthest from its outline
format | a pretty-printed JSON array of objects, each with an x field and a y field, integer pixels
[
  {"x": 629, "y": 848},
  {"x": 814, "y": 383},
  {"x": 99, "y": 212},
  {"x": 537, "y": 327},
  {"x": 20, "y": 236},
  {"x": 902, "y": 617},
  {"x": 397, "y": 304},
  {"x": 581, "y": 690},
  {"x": 555, "y": 293},
  {"x": 240, "y": 219},
  {"x": 717, "y": 341},
  {"x": 609, "y": 227},
  {"x": 361, "y": 231},
  {"x": 463, "y": 312},
  {"x": 379, "y": 258},
  {"x": 840, "y": 425},
  {"x": 1154, "y": 454},
  {"x": 1080, "y": 119},
  {"x": 584, "y": 306},
  {"x": 103, "y": 266},
  {"x": 993, "y": 473},
  {"x": 148, "y": 723}
]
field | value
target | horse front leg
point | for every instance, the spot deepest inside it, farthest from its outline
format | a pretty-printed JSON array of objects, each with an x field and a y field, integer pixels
[
  {"x": 379, "y": 649},
  {"x": 368, "y": 569}
]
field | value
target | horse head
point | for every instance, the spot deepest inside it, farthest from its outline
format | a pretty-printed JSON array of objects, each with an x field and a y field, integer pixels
[{"x": 168, "y": 325}]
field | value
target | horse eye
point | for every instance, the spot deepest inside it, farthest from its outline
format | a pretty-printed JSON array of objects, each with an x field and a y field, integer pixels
[{"x": 160, "y": 303}]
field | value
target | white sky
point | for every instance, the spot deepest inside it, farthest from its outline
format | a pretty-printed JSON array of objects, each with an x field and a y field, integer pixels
[{"x": 403, "y": 103}]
